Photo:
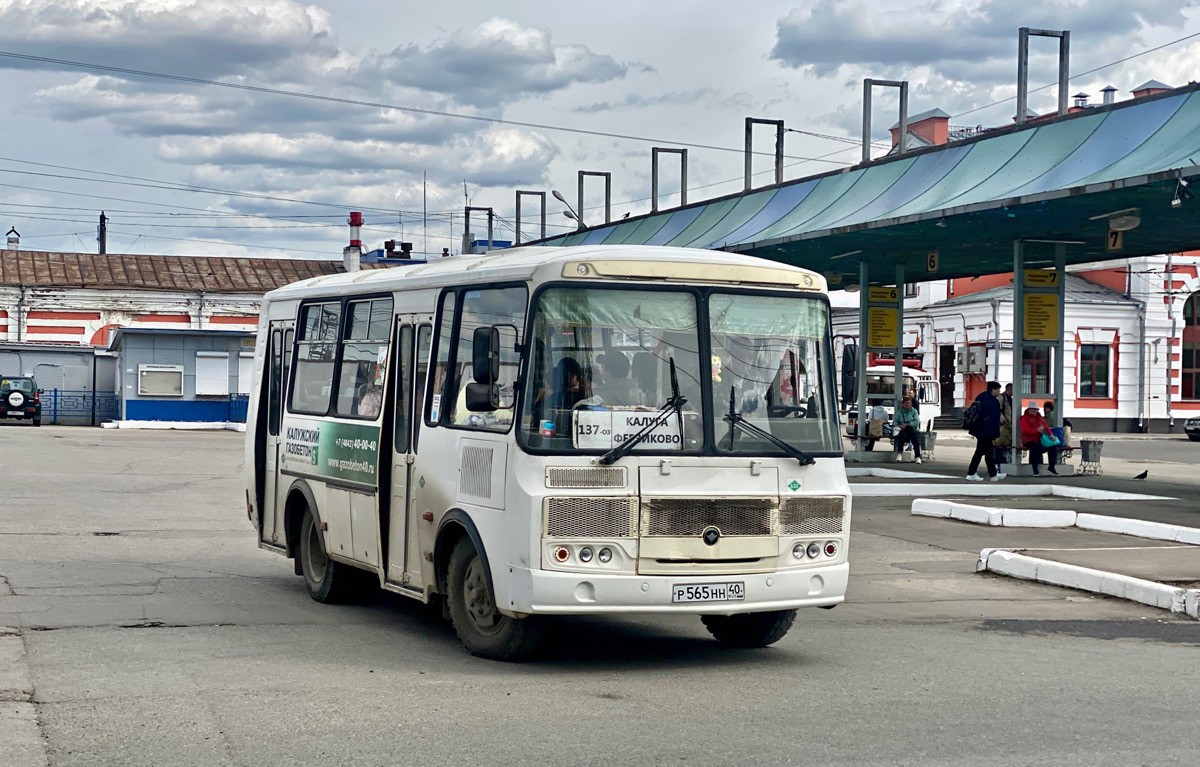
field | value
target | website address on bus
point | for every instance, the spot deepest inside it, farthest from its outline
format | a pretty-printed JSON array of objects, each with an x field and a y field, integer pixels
[{"x": 342, "y": 464}]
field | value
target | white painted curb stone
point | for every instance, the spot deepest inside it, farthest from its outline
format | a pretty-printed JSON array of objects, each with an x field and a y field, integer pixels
[{"x": 1005, "y": 562}]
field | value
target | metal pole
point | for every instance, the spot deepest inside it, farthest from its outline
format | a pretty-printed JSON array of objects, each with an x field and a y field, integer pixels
[
  {"x": 779, "y": 152},
  {"x": 903, "y": 144},
  {"x": 866, "y": 124},
  {"x": 749, "y": 148},
  {"x": 682, "y": 177},
  {"x": 898, "y": 368},
  {"x": 654, "y": 180},
  {"x": 1022, "y": 74},
  {"x": 1018, "y": 350},
  {"x": 1060, "y": 268},
  {"x": 860, "y": 359},
  {"x": 1064, "y": 67}
]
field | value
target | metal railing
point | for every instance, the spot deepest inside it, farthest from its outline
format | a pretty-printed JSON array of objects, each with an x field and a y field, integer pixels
[
  {"x": 78, "y": 407},
  {"x": 238, "y": 405}
]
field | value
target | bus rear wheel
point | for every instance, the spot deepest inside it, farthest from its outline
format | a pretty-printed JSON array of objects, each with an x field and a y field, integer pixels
[
  {"x": 749, "y": 629},
  {"x": 483, "y": 629},
  {"x": 326, "y": 580}
]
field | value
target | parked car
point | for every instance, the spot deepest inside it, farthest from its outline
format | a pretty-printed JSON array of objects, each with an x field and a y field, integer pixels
[
  {"x": 1192, "y": 427},
  {"x": 21, "y": 398}
]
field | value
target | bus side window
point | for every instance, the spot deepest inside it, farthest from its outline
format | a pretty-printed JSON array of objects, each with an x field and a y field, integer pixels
[
  {"x": 364, "y": 358},
  {"x": 503, "y": 307},
  {"x": 404, "y": 339},
  {"x": 315, "y": 355},
  {"x": 275, "y": 380},
  {"x": 437, "y": 388},
  {"x": 424, "y": 340}
]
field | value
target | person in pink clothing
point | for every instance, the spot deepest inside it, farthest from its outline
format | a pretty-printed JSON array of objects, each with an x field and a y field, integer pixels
[{"x": 1033, "y": 426}]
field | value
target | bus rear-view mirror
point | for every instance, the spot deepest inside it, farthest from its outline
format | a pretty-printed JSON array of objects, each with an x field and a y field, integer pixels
[{"x": 485, "y": 357}]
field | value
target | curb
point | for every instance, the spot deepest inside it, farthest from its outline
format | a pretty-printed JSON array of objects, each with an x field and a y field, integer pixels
[
  {"x": 1009, "y": 562},
  {"x": 994, "y": 489},
  {"x": 1001, "y": 517}
]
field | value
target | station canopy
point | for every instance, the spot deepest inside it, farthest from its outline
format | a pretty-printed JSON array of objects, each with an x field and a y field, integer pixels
[{"x": 1067, "y": 178}]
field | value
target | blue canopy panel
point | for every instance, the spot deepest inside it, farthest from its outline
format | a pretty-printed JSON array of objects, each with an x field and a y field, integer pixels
[{"x": 1054, "y": 179}]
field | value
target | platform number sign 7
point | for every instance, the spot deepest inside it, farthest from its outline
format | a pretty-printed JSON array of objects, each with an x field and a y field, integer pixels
[{"x": 1115, "y": 240}]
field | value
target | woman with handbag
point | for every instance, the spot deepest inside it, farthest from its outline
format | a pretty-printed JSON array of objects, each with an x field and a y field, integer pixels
[{"x": 1036, "y": 437}]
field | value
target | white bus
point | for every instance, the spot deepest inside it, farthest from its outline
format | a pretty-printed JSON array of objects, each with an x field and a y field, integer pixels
[{"x": 554, "y": 431}]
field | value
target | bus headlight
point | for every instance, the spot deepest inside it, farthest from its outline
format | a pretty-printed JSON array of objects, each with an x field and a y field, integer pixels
[
  {"x": 814, "y": 550},
  {"x": 798, "y": 551},
  {"x": 585, "y": 554},
  {"x": 605, "y": 555}
]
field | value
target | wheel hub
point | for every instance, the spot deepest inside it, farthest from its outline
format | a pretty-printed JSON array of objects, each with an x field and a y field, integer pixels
[{"x": 478, "y": 598}]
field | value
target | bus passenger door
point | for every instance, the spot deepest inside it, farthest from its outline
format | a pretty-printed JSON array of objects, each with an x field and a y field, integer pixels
[
  {"x": 278, "y": 360},
  {"x": 401, "y": 457}
]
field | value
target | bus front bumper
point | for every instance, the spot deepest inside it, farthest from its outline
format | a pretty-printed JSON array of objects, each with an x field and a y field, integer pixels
[{"x": 545, "y": 592}]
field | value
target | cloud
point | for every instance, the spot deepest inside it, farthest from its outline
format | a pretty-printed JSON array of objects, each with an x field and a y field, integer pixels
[
  {"x": 637, "y": 101},
  {"x": 963, "y": 39},
  {"x": 496, "y": 61}
]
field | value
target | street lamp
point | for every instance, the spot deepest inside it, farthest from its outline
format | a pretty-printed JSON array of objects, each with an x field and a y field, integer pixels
[{"x": 569, "y": 212}]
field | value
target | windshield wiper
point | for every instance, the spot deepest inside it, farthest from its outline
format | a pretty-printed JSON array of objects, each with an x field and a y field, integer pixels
[
  {"x": 674, "y": 404},
  {"x": 734, "y": 418}
]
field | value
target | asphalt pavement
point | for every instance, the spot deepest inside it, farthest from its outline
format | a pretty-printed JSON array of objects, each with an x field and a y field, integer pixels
[{"x": 142, "y": 626}]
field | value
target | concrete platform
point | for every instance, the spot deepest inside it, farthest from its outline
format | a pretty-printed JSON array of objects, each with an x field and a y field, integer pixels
[{"x": 1025, "y": 470}]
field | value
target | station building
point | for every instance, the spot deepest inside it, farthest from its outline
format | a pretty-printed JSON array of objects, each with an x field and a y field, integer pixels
[
  {"x": 1131, "y": 358},
  {"x": 62, "y": 314}
]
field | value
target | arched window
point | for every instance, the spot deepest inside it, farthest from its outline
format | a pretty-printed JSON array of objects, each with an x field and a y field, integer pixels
[{"x": 1190, "y": 375}]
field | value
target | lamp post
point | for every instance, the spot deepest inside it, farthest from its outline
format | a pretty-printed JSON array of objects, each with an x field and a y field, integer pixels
[{"x": 569, "y": 212}]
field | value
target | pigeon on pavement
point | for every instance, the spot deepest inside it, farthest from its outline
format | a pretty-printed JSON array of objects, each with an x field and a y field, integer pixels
[{"x": 1143, "y": 475}]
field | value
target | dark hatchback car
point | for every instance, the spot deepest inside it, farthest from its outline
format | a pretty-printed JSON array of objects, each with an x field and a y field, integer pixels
[{"x": 21, "y": 398}]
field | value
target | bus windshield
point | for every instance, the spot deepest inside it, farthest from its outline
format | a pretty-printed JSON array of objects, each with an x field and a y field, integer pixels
[
  {"x": 601, "y": 363},
  {"x": 770, "y": 365}
]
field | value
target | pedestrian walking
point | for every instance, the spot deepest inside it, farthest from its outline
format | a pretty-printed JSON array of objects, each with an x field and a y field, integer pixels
[
  {"x": 985, "y": 428},
  {"x": 907, "y": 428}
]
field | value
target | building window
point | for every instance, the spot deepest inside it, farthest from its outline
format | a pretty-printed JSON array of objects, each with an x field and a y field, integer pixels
[
  {"x": 212, "y": 374},
  {"x": 1094, "y": 370},
  {"x": 911, "y": 290},
  {"x": 1190, "y": 374},
  {"x": 1035, "y": 370}
]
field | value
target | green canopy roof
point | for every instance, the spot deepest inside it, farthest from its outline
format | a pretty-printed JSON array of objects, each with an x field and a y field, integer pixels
[{"x": 1055, "y": 179}]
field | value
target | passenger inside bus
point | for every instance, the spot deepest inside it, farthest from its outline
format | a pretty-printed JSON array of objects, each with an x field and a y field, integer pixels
[{"x": 615, "y": 387}]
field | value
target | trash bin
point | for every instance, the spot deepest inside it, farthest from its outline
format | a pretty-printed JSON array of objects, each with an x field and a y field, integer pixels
[{"x": 1091, "y": 450}]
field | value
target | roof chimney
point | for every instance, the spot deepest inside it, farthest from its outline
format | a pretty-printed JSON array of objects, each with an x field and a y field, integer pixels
[
  {"x": 1081, "y": 100},
  {"x": 1110, "y": 94},
  {"x": 14, "y": 239},
  {"x": 1149, "y": 88},
  {"x": 356, "y": 222}
]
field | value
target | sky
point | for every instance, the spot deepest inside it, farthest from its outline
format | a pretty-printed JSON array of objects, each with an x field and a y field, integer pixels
[{"x": 411, "y": 111}]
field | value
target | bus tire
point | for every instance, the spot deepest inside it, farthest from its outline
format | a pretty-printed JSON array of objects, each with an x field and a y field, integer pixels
[
  {"x": 327, "y": 581},
  {"x": 483, "y": 630},
  {"x": 749, "y": 629}
]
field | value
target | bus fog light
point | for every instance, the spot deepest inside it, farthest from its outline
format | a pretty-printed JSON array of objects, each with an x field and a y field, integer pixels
[
  {"x": 585, "y": 554},
  {"x": 831, "y": 548},
  {"x": 605, "y": 555},
  {"x": 814, "y": 550},
  {"x": 798, "y": 551},
  {"x": 562, "y": 554}
]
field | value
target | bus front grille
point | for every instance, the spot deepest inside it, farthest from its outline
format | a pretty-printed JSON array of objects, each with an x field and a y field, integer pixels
[
  {"x": 585, "y": 477},
  {"x": 811, "y": 515},
  {"x": 685, "y": 517},
  {"x": 591, "y": 517}
]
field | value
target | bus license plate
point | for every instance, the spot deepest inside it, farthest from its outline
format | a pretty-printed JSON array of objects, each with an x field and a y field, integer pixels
[{"x": 733, "y": 591}]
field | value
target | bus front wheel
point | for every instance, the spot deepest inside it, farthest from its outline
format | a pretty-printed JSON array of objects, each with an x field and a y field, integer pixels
[
  {"x": 483, "y": 630},
  {"x": 749, "y": 629},
  {"x": 327, "y": 581}
]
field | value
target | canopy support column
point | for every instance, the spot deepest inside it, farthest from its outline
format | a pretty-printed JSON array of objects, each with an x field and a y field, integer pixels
[
  {"x": 860, "y": 359},
  {"x": 898, "y": 379}
]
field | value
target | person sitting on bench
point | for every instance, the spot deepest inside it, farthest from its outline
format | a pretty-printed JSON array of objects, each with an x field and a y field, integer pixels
[{"x": 907, "y": 429}]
